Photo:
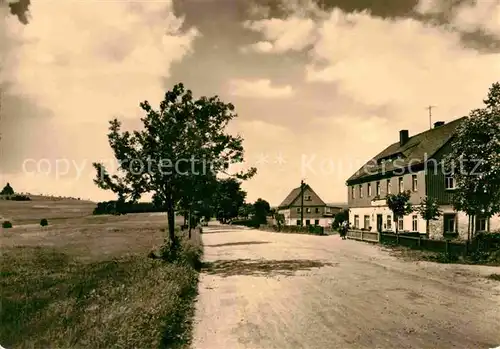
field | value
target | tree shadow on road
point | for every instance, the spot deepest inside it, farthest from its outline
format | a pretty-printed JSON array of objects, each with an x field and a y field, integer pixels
[
  {"x": 251, "y": 267},
  {"x": 239, "y": 243}
]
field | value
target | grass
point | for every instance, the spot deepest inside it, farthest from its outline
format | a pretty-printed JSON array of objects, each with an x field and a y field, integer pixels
[
  {"x": 75, "y": 284},
  {"x": 495, "y": 277},
  {"x": 413, "y": 254}
]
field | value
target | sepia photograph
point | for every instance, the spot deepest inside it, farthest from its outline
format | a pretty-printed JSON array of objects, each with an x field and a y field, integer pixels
[{"x": 250, "y": 174}]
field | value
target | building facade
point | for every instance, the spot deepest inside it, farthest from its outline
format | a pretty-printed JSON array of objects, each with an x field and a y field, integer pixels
[
  {"x": 316, "y": 211},
  {"x": 414, "y": 164}
]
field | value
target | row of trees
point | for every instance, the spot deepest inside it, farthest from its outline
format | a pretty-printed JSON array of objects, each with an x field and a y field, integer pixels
[
  {"x": 474, "y": 162},
  {"x": 258, "y": 211},
  {"x": 182, "y": 156},
  {"x": 8, "y": 193}
]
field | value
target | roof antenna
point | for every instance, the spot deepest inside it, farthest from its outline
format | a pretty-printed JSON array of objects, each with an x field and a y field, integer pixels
[{"x": 430, "y": 115}]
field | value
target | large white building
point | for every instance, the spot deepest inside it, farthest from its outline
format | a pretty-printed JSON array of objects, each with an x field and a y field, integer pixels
[{"x": 412, "y": 163}]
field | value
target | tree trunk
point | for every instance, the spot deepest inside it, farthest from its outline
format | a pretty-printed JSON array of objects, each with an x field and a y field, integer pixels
[
  {"x": 468, "y": 227},
  {"x": 190, "y": 221},
  {"x": 427, "y": 226},
  {"x": 473, "y": 226},
  {"x": 171, "y": 221},
  {"x": 396, "y": 224}
]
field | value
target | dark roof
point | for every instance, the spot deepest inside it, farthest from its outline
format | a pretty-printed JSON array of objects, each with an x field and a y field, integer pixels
[
  {"x": 342, "y": 205},
  {"x": 416, "y": 150},
  {"x": 294, "y": 194}
]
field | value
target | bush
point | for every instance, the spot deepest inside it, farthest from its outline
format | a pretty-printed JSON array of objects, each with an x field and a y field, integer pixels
[
  {"x": 15, "y": 197},
  {"x": 111, "y": 207},
  {"x": 191, "y": 253},
  {"x": 181, "y": 251},
  {"x": 247, "y": 223},
  {"x": 316, "y": 230},
  {"x": 44, "y": 222},
  {"x": 18, "y": 197},
  {"x": 444, "y": 258},
  {"x": 6, "y": 225}
]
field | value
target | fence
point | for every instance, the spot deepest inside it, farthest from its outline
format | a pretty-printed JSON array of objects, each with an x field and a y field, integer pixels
[
  {"x": 412, "y": 241},
  {"x": 418, "y": 242},
  {"x": 361, "y": 235}
]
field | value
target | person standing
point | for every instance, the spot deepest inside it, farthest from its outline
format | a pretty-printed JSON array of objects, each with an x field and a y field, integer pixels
[{"x": 343, "y": 230}]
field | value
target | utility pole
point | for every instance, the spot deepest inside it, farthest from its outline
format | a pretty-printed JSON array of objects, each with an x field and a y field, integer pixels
[
  {"x": 430, "y": 115},
  {"x": 302, "y": 203}
]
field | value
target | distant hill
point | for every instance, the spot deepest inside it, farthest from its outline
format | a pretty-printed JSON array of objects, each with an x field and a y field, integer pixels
[{"x": 40, "y": 197}]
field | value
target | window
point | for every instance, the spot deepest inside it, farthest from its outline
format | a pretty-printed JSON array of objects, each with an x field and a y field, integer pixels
[
  {"x": 414, "y": 223},
  {"x": 353, "y": 193},
  {"x": 308, "y": 198},
  {"x": 360, "y": 191},
  {"x": 316, "y": 222},
  {"x": 377, "y": 189},
  {"x": 481, "y": 224},
  {"x": 298, "y": 221},
  {"x": 449, "y": 223},
  {"x": 369, "y": 190},
  {"x": 449, "y": 182},
  {"x": 308, "y": 222},
  {"x": 316, "y": 210},
  {"x": 401, "y": 225},
  {"x": 308, "y": 210},
  {"x": 328, "y": 210},
  {"x": 356, "y": 221},
  {"x": 367, "y": 222},
  {"x": 389, "y": 222},
  {"x": 414, "y": 183},
  {"x": 389, "y": 189},
  {"x": 401, "y": 184},
  {"x": 298, "y": 209}
]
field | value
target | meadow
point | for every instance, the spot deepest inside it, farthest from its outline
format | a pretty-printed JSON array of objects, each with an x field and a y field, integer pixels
[{"x": 86, "y": 281}]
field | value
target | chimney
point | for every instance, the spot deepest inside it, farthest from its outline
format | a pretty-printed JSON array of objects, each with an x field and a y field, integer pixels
[
  {"x": 403, "y": 137},
  {"x": 438, "y": 123}
]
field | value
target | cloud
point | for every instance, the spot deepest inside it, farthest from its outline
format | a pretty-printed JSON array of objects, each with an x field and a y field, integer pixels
[
  {"x": 101, "y": 59},
  {"x": 404, "y": 63},
  {"x": 429, "y": 7},
  {"x": 260, "y": 88},
  {"x": 64, "y": 76},
  {"x": 293, "y": 34},
  {"x": 261, "y": 46},
  {"x": 482, "y": 15},
  {"x": 468, "y": 16}
]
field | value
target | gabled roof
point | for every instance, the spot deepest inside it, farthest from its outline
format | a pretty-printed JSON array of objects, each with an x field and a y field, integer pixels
[
  {"x": 417, "y": 149},
  {"x": 294, "y": 194}
]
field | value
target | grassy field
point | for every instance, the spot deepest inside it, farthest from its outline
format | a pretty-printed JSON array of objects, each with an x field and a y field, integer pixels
[{"x": 85, "y": 281}]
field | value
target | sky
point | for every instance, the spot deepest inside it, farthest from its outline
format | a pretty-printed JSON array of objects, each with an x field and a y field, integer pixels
[{"x": 319, "y": 87}]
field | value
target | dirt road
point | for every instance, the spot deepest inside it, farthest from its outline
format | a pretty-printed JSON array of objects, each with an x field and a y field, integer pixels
[{"x": 267, "y": 290}]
